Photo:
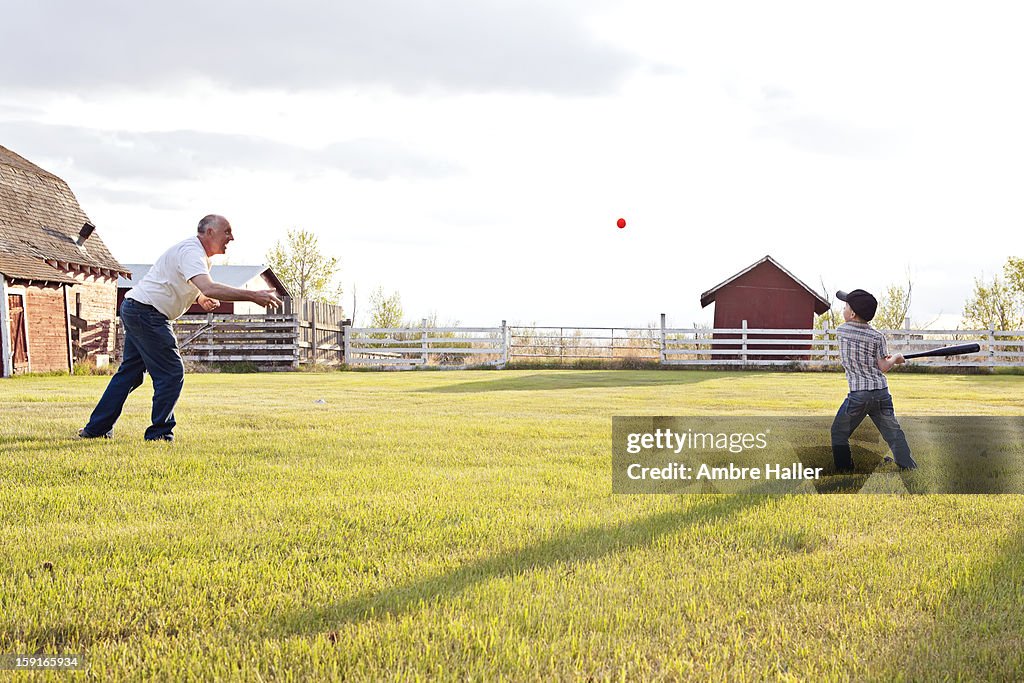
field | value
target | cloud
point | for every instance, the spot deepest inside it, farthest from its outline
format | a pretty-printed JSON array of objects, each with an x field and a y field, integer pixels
[
  {"x": 453, "y": 45},
  {"x": 18, "y": 110},
  {"x": 190, "y": 154},
  {"x": 369, "y": 159},
  {"x": 775, "y": 93},
  {"x": 823, "y": 136},
  {"x": 162, "y": 201}
]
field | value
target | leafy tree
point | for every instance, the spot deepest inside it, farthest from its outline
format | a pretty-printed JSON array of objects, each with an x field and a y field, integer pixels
[
  {"x": 999, "y": 303},
  {"x": 385, "y": 311},
  {"x": 994, "y": 305},
  {"x": 1013, "y": 271},
  {"x": 304, "y": 269}
]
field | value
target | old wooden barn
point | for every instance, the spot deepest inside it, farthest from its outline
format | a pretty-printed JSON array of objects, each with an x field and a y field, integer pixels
[{"x": 58, "y": 280}]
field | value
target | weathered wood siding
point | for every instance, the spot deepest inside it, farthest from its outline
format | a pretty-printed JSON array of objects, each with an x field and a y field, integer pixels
[
  {"x": 46, "y": 323},
  {"x": 98, "y": 296}
]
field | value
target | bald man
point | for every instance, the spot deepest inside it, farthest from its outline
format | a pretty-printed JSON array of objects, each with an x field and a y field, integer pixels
[{"x": 179, "y": 278}]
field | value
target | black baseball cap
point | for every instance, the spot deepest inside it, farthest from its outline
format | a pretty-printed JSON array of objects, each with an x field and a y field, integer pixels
[{"x": 862, "y": 303}]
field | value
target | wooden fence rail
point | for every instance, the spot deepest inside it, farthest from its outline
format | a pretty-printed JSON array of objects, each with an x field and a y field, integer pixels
[
  {"x": 817, "y": 348},
  {"x": 406, "y": 347},
  {"x": 321, "y": 330},
  {"x": 303, "y": 331},
  {"x": 312, "y": 332},
  {"x": 270, "y": 342},
  {"x": 567, "y": 344},
  {"x": 743, "y": 346}
]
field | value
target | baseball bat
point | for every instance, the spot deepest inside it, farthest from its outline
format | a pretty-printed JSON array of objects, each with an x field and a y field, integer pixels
[{"x": 957, "y": 350}]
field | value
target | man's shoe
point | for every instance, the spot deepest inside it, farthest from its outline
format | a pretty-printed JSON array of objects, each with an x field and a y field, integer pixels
[
  {"x": 168, "y": 437},
  {"x": 82, "y": 434}
]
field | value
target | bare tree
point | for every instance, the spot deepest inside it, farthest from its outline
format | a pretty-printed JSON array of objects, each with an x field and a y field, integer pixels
[
  {"x": 831, "y": 318},
  {"x": 353, "y": 303}
]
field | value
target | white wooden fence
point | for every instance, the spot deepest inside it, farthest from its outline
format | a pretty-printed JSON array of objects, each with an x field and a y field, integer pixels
[
  {"x": 308, "y": 333},
  {"x": 569, "y": 344},
  {"x": 820, "y": 348},
  {"x": 407, "y": 347}
]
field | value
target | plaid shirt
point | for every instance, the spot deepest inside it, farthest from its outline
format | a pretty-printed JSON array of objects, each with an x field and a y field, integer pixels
[{"x": 860, "y": 347}]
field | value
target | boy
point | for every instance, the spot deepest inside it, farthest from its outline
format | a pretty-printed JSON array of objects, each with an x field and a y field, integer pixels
[{"x": 865, "y": 359}]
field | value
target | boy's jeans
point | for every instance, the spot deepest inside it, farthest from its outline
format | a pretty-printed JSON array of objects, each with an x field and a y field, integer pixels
[
  {"x": 149, "y": 345},
  {"x": 877, "y": 404}
]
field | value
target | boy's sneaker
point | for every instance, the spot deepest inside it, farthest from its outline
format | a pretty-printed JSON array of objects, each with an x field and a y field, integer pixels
[{"x": 82, "y": 434}]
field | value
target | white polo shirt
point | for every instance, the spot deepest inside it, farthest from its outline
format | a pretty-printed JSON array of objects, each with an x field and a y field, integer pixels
[{"x": 166, "y": 286}]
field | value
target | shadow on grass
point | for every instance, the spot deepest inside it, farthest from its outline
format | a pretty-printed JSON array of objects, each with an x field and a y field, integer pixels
[
  {"x": 978, "y": 630},
  {"x": 553, "y": 380},
  {"x": 572, "y": 547},
  {"x": 10, "y": 440}
]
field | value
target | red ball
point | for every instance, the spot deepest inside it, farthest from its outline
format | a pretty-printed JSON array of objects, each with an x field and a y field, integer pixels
[{"x": 621, "y": 222}]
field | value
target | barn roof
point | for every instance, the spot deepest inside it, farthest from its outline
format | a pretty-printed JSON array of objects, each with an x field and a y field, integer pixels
[
  {"x": 822, "y": 303},
  {"x": 39, "y": 223},
  {"x": 234, "y": 276},
  {"x": 19, "y": 267}
]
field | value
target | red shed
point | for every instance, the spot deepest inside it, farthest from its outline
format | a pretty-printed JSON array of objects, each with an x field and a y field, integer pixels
[{"x": 767, "y": 296}]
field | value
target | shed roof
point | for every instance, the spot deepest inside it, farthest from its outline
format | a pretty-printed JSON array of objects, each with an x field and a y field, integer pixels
[
  {"x": 40, "y": 218},
  {"x": 18, "y": 267},
  {"x": 822, "y": 304}
]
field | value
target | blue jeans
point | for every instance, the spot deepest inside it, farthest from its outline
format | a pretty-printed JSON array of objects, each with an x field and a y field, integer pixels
[
  {"x": 876, "y": 404},
  {"x": 149, "y": 345}
]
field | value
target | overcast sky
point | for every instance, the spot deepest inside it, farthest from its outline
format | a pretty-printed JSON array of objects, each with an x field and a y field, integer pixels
[{"x": 475, "y": 155}]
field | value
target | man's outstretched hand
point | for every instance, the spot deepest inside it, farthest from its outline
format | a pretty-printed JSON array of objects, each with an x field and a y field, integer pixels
[{"x": 267, "y": 298}]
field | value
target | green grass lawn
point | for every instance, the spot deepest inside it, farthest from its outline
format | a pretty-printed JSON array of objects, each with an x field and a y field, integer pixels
[{"x": 461, "y": 525}]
